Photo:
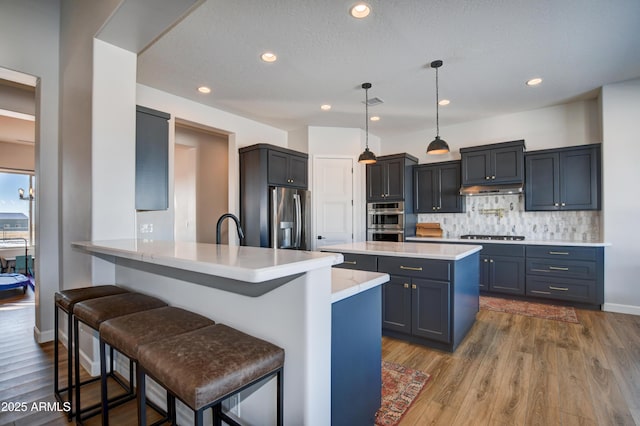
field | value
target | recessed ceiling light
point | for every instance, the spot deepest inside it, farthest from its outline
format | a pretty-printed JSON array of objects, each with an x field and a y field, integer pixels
[
  {"x": 360, "y": 10},
  {"x": 534, "y": 82},
  {"x": 444, "y": 102},
  {"x": 325, "y": 107},
  {"x": 375, "y": 118},
  {"x": 204, "y": 89},
  {"x": 269, "y": 57}
]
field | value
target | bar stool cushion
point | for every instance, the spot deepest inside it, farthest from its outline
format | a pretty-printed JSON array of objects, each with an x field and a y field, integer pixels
[
  {"x": 128, "y": 332},
  {"x": 67, "y": 298},
  {"x": 94, "y": 311},
  {"x": 201, "y": 366}
]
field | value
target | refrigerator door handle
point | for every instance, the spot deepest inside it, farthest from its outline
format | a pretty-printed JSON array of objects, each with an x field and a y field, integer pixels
[
  {"x": 296, "y": 199},
  {"x": 274, "y": 215}
]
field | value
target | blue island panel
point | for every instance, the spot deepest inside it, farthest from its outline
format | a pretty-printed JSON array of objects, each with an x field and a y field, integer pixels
[{"x": 356, "y": 357}]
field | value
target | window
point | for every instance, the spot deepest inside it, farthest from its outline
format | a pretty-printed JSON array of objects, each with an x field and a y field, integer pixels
[{"x": 16, "y": 211}]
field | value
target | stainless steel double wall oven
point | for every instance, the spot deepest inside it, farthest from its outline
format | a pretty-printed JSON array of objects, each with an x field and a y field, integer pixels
[{"x": 385, "y": 221}]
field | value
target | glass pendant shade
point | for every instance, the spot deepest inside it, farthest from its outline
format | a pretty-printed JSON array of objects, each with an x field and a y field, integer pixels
[
  {"x": 438, "y": 146},
  {"x": 367, "y": 157}
]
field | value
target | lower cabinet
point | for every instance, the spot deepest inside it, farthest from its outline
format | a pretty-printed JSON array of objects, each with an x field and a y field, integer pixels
[
  {"x": 574, "y": 274},
  {"x": 417, "y": 306},
  {"x": 431, "y": 302},
  {"x": 502, "y": 268}
]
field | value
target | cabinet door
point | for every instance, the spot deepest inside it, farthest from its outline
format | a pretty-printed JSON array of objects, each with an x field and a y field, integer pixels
[
  {"x": 395, "y": 179},
  {"x": 424, "y": 182},
  {"x": 476, "y": 168},
  {"x": 298, "y": 171},
  {"x": 376, "y": 182},
  {"x": 507, "y": 274},
  {"x": 507, "y": 165},
  {"x": 580, "y": 179},
  {"x": 431, "y": 309},
  {"x": 152, "y": 159},
  {"x": 450, "y": 200},
  {"x": 278, "y": 168},
  {"x": 542, "y": 190},
  {"x": 484, "y": 273},
  {"x": 396, "y": 304}
]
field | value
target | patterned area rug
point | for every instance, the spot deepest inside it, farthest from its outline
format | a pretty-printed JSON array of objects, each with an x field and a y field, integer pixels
[
  {"x": 400, "y": 387},
  {"x": 530, "y": 309}
]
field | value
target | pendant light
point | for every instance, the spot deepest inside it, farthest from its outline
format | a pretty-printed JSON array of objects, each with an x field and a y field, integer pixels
[
  {"x": 367, "y": 157},
  {"x": 437, "y": 146}
]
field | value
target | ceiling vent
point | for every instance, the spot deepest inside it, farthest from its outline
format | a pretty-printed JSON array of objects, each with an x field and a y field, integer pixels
[{"x": 374, "y": 101}]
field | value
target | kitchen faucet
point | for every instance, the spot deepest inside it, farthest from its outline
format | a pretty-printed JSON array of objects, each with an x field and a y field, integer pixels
[{"x": 238, "y": 227}]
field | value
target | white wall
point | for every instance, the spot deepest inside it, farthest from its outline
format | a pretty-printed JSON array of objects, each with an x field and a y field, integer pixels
[
  {"x": 113, "y": 151},
  {"x": 621, "y": 150},
  {"x": 576, "y": 123},
  {"x": 29, "y": 30},
  {"x": 242, "y": 132}
]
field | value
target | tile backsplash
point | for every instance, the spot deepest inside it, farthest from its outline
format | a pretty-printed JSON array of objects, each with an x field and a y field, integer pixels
[{"x": 505, "y": 215}]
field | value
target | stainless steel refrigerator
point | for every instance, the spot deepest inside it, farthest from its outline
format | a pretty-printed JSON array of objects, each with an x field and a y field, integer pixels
[{"x": 290, "y": 218}]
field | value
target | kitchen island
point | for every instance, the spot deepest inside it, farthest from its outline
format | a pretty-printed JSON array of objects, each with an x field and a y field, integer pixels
[
  {"x": 282, "y": 296},
  {"x": 432, "y": 297}
]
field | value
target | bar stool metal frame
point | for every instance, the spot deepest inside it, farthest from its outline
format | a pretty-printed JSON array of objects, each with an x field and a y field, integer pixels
[
  {"x": 57, "y": 390},
  {"x": 216, "y": 406},
  {"x": 115, "y": 401}
]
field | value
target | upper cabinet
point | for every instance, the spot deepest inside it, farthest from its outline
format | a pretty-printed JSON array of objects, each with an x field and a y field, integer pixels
[
  {"x": 152, "y": 159},
  {"x": 288, "y": 168},
  {"x": 436, "y": 188},
  {"x": 387, "y": 179},
  {"x": 563, "y": 179},
  {"x": 493, "y": 164}
]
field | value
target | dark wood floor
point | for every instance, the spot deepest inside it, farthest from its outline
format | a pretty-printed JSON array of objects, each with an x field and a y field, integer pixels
[{"x": 510, "y": 370}]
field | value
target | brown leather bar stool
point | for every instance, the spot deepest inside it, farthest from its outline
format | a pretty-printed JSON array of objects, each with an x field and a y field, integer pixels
[
  {"x": 94, "y": 312},
  {"x": 206, "y": 366},
  {"x": 128, "y": 332},
  {"x": 65, "y": 300}
]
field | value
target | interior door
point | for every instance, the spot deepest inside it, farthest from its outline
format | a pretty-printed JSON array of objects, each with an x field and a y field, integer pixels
[{"x": 333, "y": 197}]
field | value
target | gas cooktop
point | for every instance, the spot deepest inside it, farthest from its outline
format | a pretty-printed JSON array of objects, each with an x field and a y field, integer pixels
[{"x": 493, "y": 237}]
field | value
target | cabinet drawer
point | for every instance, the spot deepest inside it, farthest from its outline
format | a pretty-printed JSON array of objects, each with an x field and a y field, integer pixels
[
  {"x": 516, "y": 250},
  {"x": 414, "y": 267},
  {"x": 572, "y": 290},
  {"x": 562, "y": 268},
  {"x": 362, "y": 262},
  {"x": 563, "y": 252}
]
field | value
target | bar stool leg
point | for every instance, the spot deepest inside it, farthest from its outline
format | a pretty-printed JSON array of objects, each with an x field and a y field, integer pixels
[
  {"x": 70, "y": 362},
  {"x": 142, "y": 397},
  {"x": 103, "y": 383},
  {"x": 279, "y": 410},
  {"x": 76, "y": 351}
]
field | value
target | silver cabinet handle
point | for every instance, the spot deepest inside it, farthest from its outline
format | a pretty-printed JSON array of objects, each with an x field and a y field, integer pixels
[
  {"x": 486, "y": 260},
  {"x": 540, "y": 292},
  {"x": 491, "y": 261},
  {"x": 406, "y": 285},
  {"x": 413, "y": 286},
  {"x": 493, "y": 177},
  {"x": 563, "y": 204},
  {"x": 350, "y": 262},
  {"x": 556, "y": 204},
  {"x": 558, "y": 288},
  {"x": 410, "y": 268},
  {"x": 563, "y": 253},
  {"x": 557, "y": 268}
]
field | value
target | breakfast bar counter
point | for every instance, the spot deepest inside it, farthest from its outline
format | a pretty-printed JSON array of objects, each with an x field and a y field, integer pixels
[{"x": 281, "y": 296}]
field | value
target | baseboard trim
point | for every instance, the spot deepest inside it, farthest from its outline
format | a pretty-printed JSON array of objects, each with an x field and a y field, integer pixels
[
  {"x": 42, "y": 336},
  {"x": 621, "y": 309}
]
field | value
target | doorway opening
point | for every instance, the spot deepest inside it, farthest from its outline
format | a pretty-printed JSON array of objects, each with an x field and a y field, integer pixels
[
  {"x": 17, "y": 164},
  {"x": 201, "y": 182}
]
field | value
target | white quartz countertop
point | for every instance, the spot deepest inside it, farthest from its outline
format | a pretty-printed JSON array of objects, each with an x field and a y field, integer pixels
[
  {"x": 349, "y": 282},
  {"x": 248, "y": 264},
  {"x": 425, "y": 251},
  {"x": 524, "y": 242}
]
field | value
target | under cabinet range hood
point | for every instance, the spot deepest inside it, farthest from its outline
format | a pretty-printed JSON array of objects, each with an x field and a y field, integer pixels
[{"x": 504, "y": 189}]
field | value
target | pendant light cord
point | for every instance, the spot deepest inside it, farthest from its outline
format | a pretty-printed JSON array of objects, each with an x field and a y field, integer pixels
[
  {"x": 437, "y": 107},
  {"x": 366, "y": 117}
]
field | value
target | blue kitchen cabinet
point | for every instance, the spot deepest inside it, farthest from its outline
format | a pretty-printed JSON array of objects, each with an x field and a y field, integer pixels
[{"x": 563, "y": 179}]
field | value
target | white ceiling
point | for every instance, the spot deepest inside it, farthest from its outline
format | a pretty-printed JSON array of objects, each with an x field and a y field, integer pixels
[{"x": 489, "y": 48}]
